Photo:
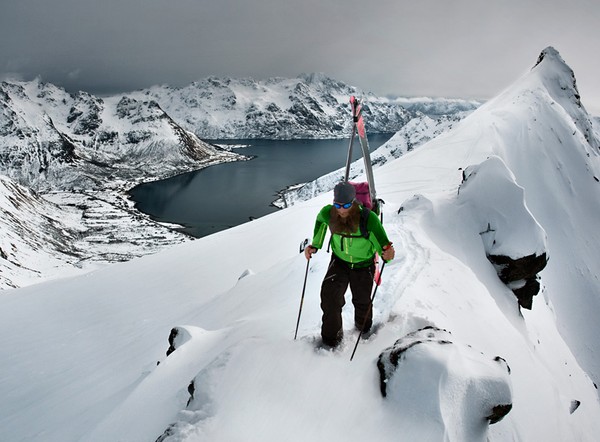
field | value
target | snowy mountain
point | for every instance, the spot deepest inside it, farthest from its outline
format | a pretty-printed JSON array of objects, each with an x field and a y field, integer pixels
[
  {"x": 310, "y": 106},
  {"x": 82, "y": 154},
  {"x": 36, "y": 235},
  {"x": 52, "y": 140},
  {"x": 436, "y": 107},
  {"x": 454, "y": 357}
]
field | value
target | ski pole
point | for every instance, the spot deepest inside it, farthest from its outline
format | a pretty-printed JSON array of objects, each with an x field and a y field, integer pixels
[
  {"x": 302, "y": 298},
  {"x": 368, "y": 313},
  {"x": 303, "y": 246}
]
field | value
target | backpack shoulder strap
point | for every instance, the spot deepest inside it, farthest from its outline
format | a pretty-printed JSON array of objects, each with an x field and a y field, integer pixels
[{"x": 364, "y": 220}]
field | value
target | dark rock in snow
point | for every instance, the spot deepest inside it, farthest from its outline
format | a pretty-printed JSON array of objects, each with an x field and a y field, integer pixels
[
  {"x": 172, "y": 336},
  {"x": 522, "y": 271},
  {"x": 498, "y": 413},
  {"x": 168, "y": 433},
  {"x": 191, "y": 391},
  {"x": 510, "y": 269}
]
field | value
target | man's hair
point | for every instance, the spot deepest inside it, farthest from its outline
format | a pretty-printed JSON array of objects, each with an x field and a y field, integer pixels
[{"x": 345, "y": 225}]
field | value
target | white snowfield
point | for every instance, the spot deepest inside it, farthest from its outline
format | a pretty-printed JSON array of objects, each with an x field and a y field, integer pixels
[{"x": 80, "y": 354}]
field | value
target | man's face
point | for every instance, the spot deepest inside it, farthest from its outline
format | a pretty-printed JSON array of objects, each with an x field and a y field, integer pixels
[{"x": 343, "y": 210}]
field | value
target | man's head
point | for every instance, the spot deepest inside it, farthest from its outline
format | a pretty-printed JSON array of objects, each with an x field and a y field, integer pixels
[
  {"x": 345, "y": 212},
  {"x": 343, "y": 194}
]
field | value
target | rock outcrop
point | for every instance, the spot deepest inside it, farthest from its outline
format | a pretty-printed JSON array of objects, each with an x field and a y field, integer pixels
[
  {"x": 514, "y": 242},
  {"x": 450, "y": 387}
]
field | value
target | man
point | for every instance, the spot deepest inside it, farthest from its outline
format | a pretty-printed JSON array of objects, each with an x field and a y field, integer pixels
[{"x": 352, "y": 262}]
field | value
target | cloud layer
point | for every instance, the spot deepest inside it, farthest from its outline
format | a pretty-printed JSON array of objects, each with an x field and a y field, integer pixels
[{"x": 463, "y": 48}]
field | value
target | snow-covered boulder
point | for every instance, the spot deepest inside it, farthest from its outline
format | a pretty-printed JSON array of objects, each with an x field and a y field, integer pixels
[
  {"x": 513, "y": 239},
  {"x": 451, "y": 389}
]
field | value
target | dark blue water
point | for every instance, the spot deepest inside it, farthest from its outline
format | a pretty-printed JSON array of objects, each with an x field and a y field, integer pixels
[{"x": 222, "y": 196}]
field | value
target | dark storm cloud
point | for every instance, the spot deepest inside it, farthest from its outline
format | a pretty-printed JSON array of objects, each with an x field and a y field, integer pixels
[{"x": 460, "y": 48}]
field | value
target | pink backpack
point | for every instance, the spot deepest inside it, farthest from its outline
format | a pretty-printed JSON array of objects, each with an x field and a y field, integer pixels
[{"x": 363, "y": 196}]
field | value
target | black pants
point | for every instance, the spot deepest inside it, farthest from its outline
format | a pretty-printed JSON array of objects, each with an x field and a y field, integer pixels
[{"x": 334, "y": 286}]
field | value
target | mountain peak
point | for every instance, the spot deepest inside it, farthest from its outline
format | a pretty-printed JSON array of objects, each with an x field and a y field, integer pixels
[
  {"x": 552, "y": 67},
  {"x": 549, "y": 53},
  {"x": 559, "y": 81}
]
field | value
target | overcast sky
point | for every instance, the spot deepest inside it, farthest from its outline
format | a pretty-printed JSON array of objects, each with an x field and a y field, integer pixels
[{"x": 451, "y": 48}]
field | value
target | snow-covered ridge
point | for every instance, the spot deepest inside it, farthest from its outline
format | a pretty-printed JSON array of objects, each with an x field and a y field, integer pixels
[{"x": 436, "y": 107}]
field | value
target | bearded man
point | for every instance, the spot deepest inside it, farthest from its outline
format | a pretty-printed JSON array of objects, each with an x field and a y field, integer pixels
[{"x": 352, "y": 260}]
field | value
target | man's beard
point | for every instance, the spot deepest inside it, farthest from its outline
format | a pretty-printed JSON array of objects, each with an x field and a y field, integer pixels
[{"x": 346, "y": 225}]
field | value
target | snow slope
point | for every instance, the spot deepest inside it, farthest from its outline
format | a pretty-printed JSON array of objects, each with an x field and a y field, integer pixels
[
  {"x": 65, "y": 233},
  {"x": 416, "y": 132},
  {"x": 80, "y": 353}
]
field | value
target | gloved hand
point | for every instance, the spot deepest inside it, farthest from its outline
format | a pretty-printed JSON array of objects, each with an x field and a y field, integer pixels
[
  {"x": 309, "y": 251},
  {"x": 388, "y": 252}
]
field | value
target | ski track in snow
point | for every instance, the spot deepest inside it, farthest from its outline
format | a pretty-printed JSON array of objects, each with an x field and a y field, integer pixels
[{"x": 401, "y": 272}]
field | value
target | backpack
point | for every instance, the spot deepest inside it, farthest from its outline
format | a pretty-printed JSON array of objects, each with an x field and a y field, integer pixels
[
  {"x": 364, "y": 220},
  {"x": 363, "y": 195}
]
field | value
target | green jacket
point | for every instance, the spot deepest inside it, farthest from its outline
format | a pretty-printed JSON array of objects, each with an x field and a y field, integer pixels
[{"x": 354, "y": 249}]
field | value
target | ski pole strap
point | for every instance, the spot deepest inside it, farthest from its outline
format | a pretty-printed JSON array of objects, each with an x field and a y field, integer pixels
[{"x": 303, "y": 245}]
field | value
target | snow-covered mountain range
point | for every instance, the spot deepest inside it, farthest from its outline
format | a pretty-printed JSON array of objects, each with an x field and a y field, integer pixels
[
  {"x": 454, "y": 357},
  {"x": 310, "y": 106},
  {"x": 53, "y": 140}
]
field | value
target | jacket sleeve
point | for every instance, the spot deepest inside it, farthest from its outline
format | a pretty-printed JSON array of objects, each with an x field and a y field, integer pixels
[
  {"x": 378, "y": 232},
  {"x": 321, "y": 225}
]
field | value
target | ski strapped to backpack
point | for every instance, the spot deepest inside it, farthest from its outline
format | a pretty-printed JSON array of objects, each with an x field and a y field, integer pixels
[{"x": 358, "y": 127}]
